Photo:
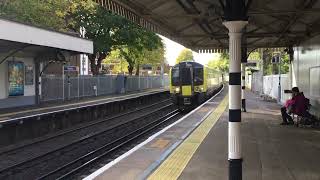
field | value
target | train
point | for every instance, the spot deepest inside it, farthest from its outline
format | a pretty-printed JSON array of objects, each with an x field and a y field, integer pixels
[{"x": 191, "y": 83}]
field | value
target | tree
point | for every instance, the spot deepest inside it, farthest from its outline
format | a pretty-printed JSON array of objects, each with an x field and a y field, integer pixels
[
  {"x": 101, "y": 26},
  {"x": 254, "y": 56},
  {"x": 135, "y": 50},
  {"x": 154, "y": 58},
  {"x": 130, "y": 55},
  {"x": 109, "y": 31},
  {"x": 185, "y": 55},
  {"x": 222, "y": 64},
  {"x": 118, "y": 63},
  {"x": 48, "y": 14}
]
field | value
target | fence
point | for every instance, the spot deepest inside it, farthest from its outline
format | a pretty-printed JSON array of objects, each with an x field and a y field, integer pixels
[
  {"x": 58, "y": 88},
  {"x": 270, "y": 85}
]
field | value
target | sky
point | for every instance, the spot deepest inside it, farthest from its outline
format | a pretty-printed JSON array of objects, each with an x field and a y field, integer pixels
[{"x": 173, "y": 50}]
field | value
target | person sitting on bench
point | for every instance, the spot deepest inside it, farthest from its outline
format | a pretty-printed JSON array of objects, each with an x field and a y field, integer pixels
[{"x": 297, "y": 105}]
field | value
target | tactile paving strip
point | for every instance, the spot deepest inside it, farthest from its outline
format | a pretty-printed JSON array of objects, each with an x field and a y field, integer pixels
[{"x": 174, "y": 165}]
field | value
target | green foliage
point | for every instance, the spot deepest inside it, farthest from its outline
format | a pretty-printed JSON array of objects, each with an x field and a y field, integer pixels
[
  {"x": 110, "y": 31},
  {"x": 107, "y": 30},
  {"x": 185, "y": 55},
  {"x": 115, "y": 63},
  {"x": 149, "y": 49},
  {"x": 222, "y": 64},
  {"x": 48, "y": 13},
  {"x": 269, "y": 68},
  {"x": 254, "y": 56}
]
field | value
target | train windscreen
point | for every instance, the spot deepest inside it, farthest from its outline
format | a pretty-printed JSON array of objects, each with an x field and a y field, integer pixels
[
  {"x": 185, "y": 76},
  {"x": 175, "y": 76},
  {"x": 198, "y": 76}
]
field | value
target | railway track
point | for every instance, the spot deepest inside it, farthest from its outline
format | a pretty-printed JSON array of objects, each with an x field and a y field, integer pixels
[
  {"x": 73, "y": 156},
  {"x": 91, "y": 158},
  {"x": 88, "y": 125}
]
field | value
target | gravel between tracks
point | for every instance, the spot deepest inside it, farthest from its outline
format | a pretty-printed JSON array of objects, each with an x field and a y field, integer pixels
[{"x": 36, "y": 168}]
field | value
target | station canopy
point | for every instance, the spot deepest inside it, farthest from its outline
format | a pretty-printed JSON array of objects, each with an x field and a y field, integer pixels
[{"x": 197, "y": 24}]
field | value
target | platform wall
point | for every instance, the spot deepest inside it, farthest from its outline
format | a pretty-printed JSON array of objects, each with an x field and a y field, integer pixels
[{"x": 306, "y": 71}]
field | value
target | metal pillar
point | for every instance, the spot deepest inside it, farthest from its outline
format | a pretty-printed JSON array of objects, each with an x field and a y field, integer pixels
[
  {"x": 291, "y": 57},
  {"x": 234, "y": 146},
  {"x": 37, "y": 81},
  {"x": 262, "y": 72},
  {"x": 279, "y": 84},
  {"x": 243, "y": 87}
]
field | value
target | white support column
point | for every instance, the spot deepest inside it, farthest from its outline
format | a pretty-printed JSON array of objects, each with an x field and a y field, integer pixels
[{"x": 234, "y": 140}]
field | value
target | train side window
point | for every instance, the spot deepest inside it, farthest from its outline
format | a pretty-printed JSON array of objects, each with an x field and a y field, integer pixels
[
  {"x": 175, "y": 76},
  {"x": 198, "y": 76}
]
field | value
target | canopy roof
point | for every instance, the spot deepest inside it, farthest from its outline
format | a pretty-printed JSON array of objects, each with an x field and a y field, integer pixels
[
  {"x": 17, "y": 35},
  {"x": 197, "y": 24}
]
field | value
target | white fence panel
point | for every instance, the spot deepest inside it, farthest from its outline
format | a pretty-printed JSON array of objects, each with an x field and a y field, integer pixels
[{"x": 271, "y": 86}]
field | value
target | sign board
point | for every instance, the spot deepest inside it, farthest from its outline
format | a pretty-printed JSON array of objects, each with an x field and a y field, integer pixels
[
  {"x": 70, "y": 68},
  {"x": 147, "y": 67},
  {"x": 251, "y": 64},
  {"x": 28, "y": 71},
  {"x": 275, "y": 60},
  {"x": 16, "y": 78}
]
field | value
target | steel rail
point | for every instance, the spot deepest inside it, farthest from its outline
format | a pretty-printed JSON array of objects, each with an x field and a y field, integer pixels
[
  {"x": 113, "y": 146},
  {"x": 80, "y": 128},
  {"x": 13, "y": 167}
]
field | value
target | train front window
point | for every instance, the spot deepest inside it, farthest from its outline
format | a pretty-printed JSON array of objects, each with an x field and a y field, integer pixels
[
  {"x": 198, "y": 76},
  {"x": 175, "y": 76},
  {"x": 185, "y": 76}
]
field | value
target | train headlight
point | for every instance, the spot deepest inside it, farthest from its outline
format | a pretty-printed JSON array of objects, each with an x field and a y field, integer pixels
[{"x": 177, "y": 89}]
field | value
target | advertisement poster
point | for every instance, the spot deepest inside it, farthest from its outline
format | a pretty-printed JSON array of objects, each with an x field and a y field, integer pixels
[
  {"x": 28, "y": 75},
  {"x": 16, "y": 78}
]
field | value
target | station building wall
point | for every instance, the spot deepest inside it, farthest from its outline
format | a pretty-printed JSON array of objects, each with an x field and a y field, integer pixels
[
  {"x": 28, "y": 97},
  {"x": 306, "y": 71}
]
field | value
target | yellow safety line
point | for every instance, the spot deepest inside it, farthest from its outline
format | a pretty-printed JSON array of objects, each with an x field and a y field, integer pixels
[{"x": 174, "y": 165}]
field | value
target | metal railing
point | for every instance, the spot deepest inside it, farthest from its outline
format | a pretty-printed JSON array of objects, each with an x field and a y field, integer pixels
[{"x": 55, "y": 88}]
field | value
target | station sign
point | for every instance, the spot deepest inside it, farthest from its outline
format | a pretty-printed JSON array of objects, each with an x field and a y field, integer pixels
[
  {"x": 275, "y": 59},
  {"x": 71, "y": 68},
  {"x": 251, "y": 64},
  {"x": 147, "y": 67}
]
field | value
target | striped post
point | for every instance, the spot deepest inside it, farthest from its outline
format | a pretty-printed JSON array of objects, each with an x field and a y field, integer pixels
[{"x": 234, "y": 140}]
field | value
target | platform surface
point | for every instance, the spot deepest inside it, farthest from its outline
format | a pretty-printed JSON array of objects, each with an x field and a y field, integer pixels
[
  {"x": 14, "y": 113},
  {"x": 270, "y": 151}
]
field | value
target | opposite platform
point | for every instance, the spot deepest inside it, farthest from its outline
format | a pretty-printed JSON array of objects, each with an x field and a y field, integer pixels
[{"x": 8, "y": 115}]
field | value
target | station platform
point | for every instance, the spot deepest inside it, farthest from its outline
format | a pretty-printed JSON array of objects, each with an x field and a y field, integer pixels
[
  {"x": 9, "y": 114},
  {"x": 195, "y": 147}
]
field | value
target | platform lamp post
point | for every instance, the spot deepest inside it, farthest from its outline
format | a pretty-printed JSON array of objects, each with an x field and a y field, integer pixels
[
  {"x": 279, "y": 86},
  {"x": 235, "y": 16},
  {"x": 277, "y": 60}
]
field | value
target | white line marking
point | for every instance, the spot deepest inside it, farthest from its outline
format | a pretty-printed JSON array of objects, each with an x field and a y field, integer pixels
[{"x": 110, "y": 164}]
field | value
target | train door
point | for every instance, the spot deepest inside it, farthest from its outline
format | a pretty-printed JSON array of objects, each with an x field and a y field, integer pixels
[{"x": 186, "y": 75}]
